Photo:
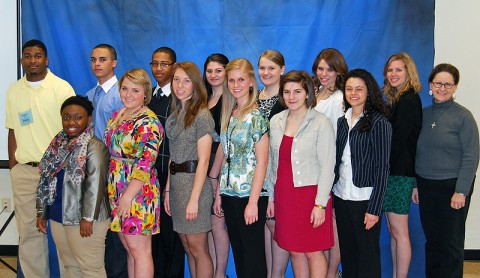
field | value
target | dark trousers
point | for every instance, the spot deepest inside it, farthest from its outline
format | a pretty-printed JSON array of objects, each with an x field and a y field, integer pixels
[
  {"x": 360, "y": 248},
  {"x": 115, "y": 256},
  {"x": 444, "y": 228},
  {"x": 248, "y": 241},
  {"x": 167, "y": 248}
]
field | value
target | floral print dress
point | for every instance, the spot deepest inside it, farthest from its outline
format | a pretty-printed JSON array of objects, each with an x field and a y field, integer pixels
[{"x": 133, "y": 146}]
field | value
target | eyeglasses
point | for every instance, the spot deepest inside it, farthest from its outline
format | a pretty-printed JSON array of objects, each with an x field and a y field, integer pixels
[
  {"x": 448, "y": 86},
  {"x": 163, "y": 65}
]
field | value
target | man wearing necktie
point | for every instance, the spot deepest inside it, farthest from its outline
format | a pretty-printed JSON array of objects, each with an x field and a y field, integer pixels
[
  {"x": 104, "y": 96},
  {"x": 167, "y": 249},
  {"x": 106, "y": 100}
]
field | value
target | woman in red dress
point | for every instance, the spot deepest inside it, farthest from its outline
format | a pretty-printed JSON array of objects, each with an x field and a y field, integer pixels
[{"x": 300, "y": 176}]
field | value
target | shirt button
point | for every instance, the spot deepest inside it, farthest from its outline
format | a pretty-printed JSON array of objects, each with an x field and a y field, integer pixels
[
  {"x": 299, "y": 183},
  {"x": 298, "y": 172},
  {"x": 294, "y": 140},
  {"x": 297, "y": 162},
  {"x": 296, "y": 151}
]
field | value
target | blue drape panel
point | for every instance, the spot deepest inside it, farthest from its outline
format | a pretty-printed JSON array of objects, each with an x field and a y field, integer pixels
[{"x": 367, "y": 32}]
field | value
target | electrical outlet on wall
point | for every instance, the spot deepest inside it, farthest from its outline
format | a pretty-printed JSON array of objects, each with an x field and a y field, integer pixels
[{"x": 6, "y": 204}]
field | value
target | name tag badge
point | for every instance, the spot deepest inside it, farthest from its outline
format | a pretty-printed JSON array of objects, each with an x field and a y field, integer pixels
[{"x": 25, "y": 117}]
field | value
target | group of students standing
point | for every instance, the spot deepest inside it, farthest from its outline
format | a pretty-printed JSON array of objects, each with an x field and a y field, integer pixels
[{"x": 301, "y": 169}]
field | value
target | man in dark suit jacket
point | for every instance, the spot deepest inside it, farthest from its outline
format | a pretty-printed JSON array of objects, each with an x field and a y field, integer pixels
[{"x": 167, "y": 249}]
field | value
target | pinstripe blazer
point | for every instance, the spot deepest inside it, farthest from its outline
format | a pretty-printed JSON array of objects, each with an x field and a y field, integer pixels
[{"x": 370, "y": 156}]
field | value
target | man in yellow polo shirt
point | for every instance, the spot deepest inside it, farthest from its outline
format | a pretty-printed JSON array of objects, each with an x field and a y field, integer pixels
[{"x": 33, "y": 119}]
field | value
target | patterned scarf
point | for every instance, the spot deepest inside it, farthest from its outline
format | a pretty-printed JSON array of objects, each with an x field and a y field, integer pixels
[{"x": 61, "y": 149}]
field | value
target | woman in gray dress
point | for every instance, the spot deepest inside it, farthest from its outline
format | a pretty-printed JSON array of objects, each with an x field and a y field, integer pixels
[{"x": 190, "y": 128}]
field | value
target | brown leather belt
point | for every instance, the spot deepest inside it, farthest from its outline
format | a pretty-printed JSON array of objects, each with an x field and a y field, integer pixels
[
  {"x": 33, "y": 164},
  {"x": 185, "y": 167}
]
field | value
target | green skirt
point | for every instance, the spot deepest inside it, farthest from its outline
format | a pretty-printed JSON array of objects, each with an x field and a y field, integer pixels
[{"x": 399, "y": 194}]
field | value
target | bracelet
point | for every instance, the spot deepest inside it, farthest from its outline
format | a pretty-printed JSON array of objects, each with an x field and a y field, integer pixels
[
  {"x": 319, "y": 206},
  {"x": 212, "y": 177},
  {"x": 88, "y": 219},
  {"x": 166, "y": 191}
]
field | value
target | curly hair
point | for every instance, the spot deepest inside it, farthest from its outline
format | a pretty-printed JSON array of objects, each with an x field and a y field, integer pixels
[
  {"x": 374, "y": 102},
  {"x": 37, "y": 43},
  {"x": 80, "y": 101}
]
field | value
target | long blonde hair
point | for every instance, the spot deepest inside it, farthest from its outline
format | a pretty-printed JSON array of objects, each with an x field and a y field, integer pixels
[
  {"x": 412, "y": 82},
  {"x": 228, "y": 100}
]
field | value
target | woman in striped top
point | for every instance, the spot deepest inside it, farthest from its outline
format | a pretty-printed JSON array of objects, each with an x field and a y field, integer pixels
[{"x": 361, "y": 173}]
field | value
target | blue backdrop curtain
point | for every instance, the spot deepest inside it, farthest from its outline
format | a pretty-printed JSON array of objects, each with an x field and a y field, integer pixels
[{"x": 367, "y": 32}]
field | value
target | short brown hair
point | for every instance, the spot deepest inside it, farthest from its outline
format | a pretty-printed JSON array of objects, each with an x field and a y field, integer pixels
[
  {"x": 302, "y": 77},
  {"x": 445, "y": 68}
]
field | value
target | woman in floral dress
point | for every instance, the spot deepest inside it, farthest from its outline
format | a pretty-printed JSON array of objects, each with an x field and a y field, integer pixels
[{"x": 133, "y": 136}]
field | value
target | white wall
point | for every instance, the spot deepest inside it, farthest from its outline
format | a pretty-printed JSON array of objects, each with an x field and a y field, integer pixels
[
  {"x": 10, "y": 235},
  {"x": 8, "y": 73},
  {"x": 456, "y": 42},
  {"x": 8, "y": 70}
]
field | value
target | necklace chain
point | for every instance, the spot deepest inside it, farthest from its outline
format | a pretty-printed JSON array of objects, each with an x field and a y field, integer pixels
[
  {"x": 229, "y": 142},
  {"x": 324, "y": 91},
  {"x": 131, "y": 115},
  {"x": 434, "y": 123},
  {"x": 263, "y": 92}
]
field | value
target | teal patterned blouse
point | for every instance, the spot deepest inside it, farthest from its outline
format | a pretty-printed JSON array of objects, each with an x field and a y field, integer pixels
[{"x": 238, "y": 144}]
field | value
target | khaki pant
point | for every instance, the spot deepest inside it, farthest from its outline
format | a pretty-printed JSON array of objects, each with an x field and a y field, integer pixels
[
  {"x": 81, "y": 256},
  {"x": 32, "y": 245}
]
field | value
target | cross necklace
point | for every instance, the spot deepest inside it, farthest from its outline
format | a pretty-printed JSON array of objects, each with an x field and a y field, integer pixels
[{"x": 435, "y": 121}]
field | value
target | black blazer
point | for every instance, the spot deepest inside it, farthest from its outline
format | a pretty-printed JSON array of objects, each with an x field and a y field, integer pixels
[
  {"x": 161, "y": 107},
  {"x": 406, "y": 121},
  {"x": 370, "y": 155}
]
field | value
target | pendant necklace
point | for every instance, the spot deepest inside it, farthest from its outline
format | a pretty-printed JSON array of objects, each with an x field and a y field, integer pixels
[
  {"x": 318, "y": 90},
  {"x": 229, "y": 143},
  {"x": 434, "y": 124}
]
